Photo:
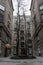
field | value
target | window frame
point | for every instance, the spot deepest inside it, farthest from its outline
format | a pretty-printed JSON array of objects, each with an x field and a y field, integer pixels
[
  {"x": 1, "y": 17},
  {"x": 41, "y": 6}
]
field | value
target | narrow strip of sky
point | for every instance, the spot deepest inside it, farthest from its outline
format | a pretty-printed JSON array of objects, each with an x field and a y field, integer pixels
[{"x": 24, "y": 2}]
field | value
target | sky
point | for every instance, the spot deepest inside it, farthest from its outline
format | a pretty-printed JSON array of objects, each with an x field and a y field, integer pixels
[{"x": 23, "y": 4}]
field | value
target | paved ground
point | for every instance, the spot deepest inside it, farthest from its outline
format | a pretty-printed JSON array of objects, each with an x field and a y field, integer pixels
[{"x": 7, "y": 61}]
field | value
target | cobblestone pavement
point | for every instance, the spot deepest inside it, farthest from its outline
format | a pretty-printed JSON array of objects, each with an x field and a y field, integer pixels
[{"x": 7, "y": 61}]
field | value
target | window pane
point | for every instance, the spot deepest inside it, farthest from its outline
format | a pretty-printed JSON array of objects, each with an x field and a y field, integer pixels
[
  {"x": 0, "y": 32},
  {"x": 42, "y": 17},
  {"x": 41, "y": 7},
  {"x": 30, "y": 50},
  {"x": 22, "y": 44},
  {"x": 2, "y": 7},
  {"x": 1, "y": 17}
]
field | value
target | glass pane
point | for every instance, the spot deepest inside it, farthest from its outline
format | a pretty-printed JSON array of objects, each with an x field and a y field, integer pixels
[
  {"x": 41, "y": 7},
  {"x": 42, "y": 17},
  {"x": 30, "y": 50},
  {"x": 2, "y": 7},
  {"x": 1, "y": 17}
]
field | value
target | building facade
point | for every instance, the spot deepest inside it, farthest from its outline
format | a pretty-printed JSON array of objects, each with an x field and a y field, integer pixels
[
  {"x": 15, "y": 35},
  {"x": 22, "y": 39},
  {"x": 25, "y": 42},
  {"x": 28, "y": 37},
  {"x": 6, "y": 19},
  {"x": 37, "y": 26}
]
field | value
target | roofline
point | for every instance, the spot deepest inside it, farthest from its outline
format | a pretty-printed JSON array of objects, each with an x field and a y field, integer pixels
[
  {"x": 31, "y": 4},
  {"x": 12, "y": 5}
]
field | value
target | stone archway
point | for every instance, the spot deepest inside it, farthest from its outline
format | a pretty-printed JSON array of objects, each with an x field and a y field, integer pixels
[{"x": 7, "y": 50}]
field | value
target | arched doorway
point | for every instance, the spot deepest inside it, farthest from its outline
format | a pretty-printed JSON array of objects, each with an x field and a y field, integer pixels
[{"x": 7, "y": 50}]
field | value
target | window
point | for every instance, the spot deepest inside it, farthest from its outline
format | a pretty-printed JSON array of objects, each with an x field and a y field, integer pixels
[
  {"x": 28, "y": 34},
  {"x": 41, "y": 7},
  {"x": 2, "y": 8},
  {"x": 0, "y": 32},
  {"x": 22, "y": 31},
  {"x": 22, "y": 26},
  {"x": 35, "y": 22},
  {"x": 22, "y": 38},
  {"x": 7, "y": 38},
  {"x": 28, "y": 29},
  {"x": 42, "y": 17},
  {"x": 22, "y": 51},
  {"x": 15, "y": 29},
  {"x": 29, "y": 41},
  {"x": 30, "y": 44},
  {"x": 30, "y": 50},
  {"x": 37, "y": 38},
  {"x": 9, "y": 16},
  {"x": 22, "y": 44},
  {"x": 1, "y": 17},
  {"x": 8, "y": 25}
]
